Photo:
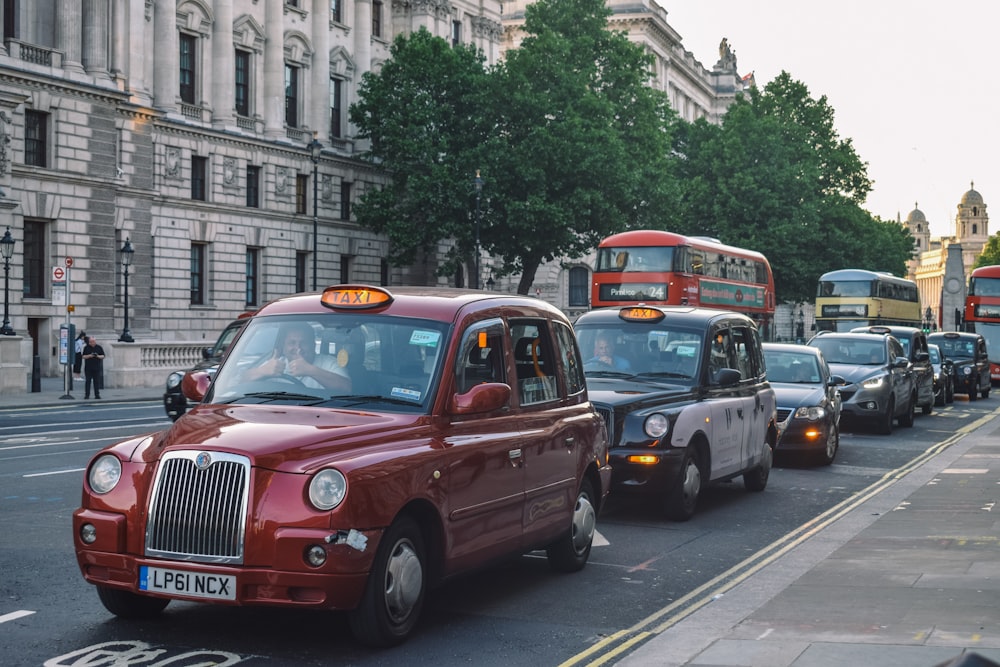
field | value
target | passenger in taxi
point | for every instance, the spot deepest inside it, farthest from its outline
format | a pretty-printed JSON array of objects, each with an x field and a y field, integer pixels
[
  {"x": 604, "y": 353},
  {"x": 294, "y": 355}
]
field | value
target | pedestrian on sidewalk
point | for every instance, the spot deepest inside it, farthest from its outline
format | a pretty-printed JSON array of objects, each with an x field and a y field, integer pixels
[
  {"x": 93, "y": 367},
  {"x": 78, "y": 345}
]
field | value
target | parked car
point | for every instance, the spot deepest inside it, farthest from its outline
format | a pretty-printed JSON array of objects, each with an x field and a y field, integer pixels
[
  {"x": 434, "y": 431},
  {"x": 914, "y": 342},
  {"x": 686, "y": 399},
  {"x": 968, "y": 353},
  {"x": 808, "y": 401},
  {"x": 880, "y": 385},
  {"x": 174, "y": 400},
  {"x": 944, "y": 376}
]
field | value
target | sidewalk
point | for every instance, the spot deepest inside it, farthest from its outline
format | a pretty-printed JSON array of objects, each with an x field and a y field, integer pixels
[
  {"x": 53, "y": 391},
  {"x": 910, "y": 578}
]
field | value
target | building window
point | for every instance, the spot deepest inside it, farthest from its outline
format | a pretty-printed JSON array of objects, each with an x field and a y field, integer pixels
[
  {"x": 345, "y": 269},
  {"x": 291, "y": 96},
  {"x": 579, "y": 282},
  {"x": 383, "y": 272},
  {"x": 198, "y": 273},
  {"x": 301, "y": 262},
  {"x": 35, "y": 243},
  {"x": 199, "y": 174},
  {"x": 336, "y": 108},
  {"x": 335, "y": 11},
  {"x": 187, "y": 45},
  {"x": 345, "y": 200},
  {"x": 36, "y": 138},
  {"x": 301, "y": 188},
  {"x": 253, "y": 276},
  {"x": 242, "y": 83},
  {"x": 456, "y": 33},
  {"x": 253, "y": 186},
  {"x": 376, "y": 18}
]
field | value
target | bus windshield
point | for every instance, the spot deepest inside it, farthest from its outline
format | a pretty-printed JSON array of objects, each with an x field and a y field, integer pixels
[
  {"x": 635, "y": 259},
  {"x": 845, "y": 288}
]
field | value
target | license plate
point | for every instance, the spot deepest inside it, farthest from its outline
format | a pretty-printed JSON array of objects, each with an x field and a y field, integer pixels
[{"x": 183, "y": 582}]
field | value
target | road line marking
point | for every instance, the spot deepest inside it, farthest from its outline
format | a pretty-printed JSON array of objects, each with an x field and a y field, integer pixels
[
  {"x": 14, "y": 615},
  {"x": 54, "y": 472}
]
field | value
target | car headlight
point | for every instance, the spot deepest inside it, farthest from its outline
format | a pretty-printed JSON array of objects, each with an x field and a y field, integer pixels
[
  {"x": 104, "y": 474},
  {"x": 174, "y": 380},
  {"x": 656, "y": 425},
  {"x": 873, "y": 382},
  {"x": 967, "y": 370},
  {"x": 811, "y": 413},
  {"x": 327, "y": 489}
]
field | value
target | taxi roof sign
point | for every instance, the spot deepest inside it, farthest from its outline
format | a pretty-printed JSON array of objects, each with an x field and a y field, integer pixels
[
  {"x": 641, "y": 314},
  {"x": 355, "y": 297}
]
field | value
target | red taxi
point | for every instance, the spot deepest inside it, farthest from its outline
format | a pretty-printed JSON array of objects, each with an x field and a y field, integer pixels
[{"x": 356, "y": 447}]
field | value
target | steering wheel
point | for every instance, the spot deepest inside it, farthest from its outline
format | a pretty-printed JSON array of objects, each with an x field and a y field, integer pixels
[
  {"x": 596, "y": 365},
  {"x": 281, "y": 377}
]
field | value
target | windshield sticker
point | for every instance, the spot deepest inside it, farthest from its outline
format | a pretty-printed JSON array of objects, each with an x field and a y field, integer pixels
[
  {"x": 425, "y": 338},
  {"x": 406, "y": 394}
]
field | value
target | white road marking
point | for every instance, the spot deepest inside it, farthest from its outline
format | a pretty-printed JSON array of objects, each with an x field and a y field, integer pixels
[
  {"x": 14, "y": 615},
  {"x": 54, "y": 472}
]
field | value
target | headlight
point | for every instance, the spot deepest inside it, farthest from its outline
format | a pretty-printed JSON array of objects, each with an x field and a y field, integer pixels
[
  {"x": 656, "y": 425},
  {"x": 967, "y": 370},
  {"x": 104, "y": 474},
  {"x": 327, "y": 489},
  {"x": 174, "y": 380},
  {"x": 812, "y": 413},
  {"x": 872, "y": 383}
]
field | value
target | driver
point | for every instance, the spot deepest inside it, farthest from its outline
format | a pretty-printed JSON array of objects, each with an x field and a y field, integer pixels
[
  {"x": 295, "y": 355},
  {"x": 604, "y": 353}
]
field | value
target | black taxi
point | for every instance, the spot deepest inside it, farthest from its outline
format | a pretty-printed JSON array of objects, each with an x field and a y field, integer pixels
[{"x": 685, "y": 394}]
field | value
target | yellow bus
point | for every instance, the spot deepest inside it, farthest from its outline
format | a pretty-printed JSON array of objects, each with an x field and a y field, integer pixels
[{"x": 850, "y": 298}]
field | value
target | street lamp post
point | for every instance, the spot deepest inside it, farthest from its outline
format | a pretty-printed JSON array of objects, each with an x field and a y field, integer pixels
[
  {"x": 479, "y": 190},
  {"x": 127, "y": 253},
  {"x": 7, "y": 249},
  {"x": 315, "y": 151}
]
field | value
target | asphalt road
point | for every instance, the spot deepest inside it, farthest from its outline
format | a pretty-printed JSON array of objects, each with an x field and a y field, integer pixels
[{"x": 518, "y": 612}]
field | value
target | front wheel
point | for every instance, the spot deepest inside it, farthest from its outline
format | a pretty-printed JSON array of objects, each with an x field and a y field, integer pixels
[
  {"x": 570, "y": 552},
  {"x": 906, "y": 419},
  {"x": 683, "y": 497},
  {"x": 394, "y": 594},
  {"x": 884, "y": 426},
  {"x": 985, "y": 392},
  {"x": 756, "y": 478},
  {"x": 832, "y": 445},
  {"x": 125, "y": 604},
  {"x": 973, "y": 389}
]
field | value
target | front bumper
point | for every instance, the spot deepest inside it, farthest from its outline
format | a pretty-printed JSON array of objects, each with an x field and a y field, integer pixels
[
  {"x": 652, "y": 478},
  {"x": 865, "y": 404},
  {"x": 802, "y": 435}
]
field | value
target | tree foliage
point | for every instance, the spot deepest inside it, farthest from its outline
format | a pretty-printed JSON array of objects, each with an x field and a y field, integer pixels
[
  {"x": 775, "y": 177},
  {"x": 991, "y": 252}
]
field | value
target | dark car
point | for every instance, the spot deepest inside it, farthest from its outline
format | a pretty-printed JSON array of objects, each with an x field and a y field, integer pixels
[
  {"x": 174, "y": 400},
  {"x": 686, "y": 399},
  {"x": 880, "y": 386},
  {"x": 356, "y": 447},
  {"x": 914, "y": 342},
  {"x": 944, "y": 376},
  {"x": 808, "y": 401},
  {"x": 968, "y": 353}
]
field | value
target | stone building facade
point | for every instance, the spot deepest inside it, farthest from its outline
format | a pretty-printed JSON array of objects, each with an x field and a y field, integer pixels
[
  {"x": 184, "y": 127},
  {"x": 941, "y": 273}
]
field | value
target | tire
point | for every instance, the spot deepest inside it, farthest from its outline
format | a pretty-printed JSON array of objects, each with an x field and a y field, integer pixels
[
  {"x": 394, "y": 595},
  {"x": 682, "y": 499},
  {"x": 570, "y": 552},
  {"x": 826, "y": 456},
  {"x": 950, "y": 396},
  {"x": 125, "y": 604},
  {"x": 985, "y": 393},
  {"x": 928, "y": 407},
  {"x": 884, "y": 426},
  {"x": 973, "y": 389},
  {"x": 906, "y": 419},
  {"x": 942, "y": 398},
  {"x": 755, "y": 479}
]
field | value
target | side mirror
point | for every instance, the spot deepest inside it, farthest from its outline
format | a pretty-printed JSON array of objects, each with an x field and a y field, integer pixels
[
  {"x": 836, "y": 381},
  {"x": 195, "y": 385},
  {"x": 727, "y": 377},
  {"x": 901, "y": 362},
  {"x": 485, "y": 397}
]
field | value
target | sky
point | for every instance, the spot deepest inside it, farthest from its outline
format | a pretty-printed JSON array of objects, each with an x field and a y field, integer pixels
[{"x": 915, "y": 85}]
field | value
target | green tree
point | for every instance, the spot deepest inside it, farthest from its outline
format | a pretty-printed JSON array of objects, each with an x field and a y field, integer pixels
[
  {"x": 582, "y": 143},
  {"x": 991, "y": 253},
  {"x": 423, "y": 115},
  {"x": 775, "y": 177}
]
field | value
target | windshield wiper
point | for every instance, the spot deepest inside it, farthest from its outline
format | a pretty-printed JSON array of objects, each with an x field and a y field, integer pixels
[
  {"x": 608, "y": 374},
  {"x": 277, "y": 396},
  {"x": 665, "y": 374},
  {"x": 359, "y": 398}
]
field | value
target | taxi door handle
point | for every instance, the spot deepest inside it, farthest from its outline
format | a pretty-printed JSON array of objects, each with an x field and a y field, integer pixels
[
  {"x": 570, "y": 441},
  {"x": 515, "y": 457}
]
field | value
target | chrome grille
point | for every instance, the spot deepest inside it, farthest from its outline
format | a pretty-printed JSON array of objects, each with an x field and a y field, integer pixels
[
  {"x": 608, "y": 415},
  {"x": 199, "y": 513}
]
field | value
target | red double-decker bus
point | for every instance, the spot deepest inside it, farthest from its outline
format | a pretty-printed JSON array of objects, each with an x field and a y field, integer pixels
[
  {"x": 982, "y": 312},
  {"x": 656, "y": 267}
]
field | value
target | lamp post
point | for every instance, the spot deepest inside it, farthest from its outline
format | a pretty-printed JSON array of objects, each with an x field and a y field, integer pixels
[
  {"x": 479, "y": 190},
  {"x": 800, "y": 327},
  {"x": 315, "y": 151},
  {"x": 7, "y": 249},
  {"x": 127, "y": 253}
]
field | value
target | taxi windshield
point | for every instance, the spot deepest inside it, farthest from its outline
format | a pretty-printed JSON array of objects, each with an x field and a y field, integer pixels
[
  {"x": 653, "y": 351},
  {"x": 334, "y": 360}
]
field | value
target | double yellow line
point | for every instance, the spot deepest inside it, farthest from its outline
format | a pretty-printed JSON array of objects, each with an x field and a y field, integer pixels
[{"x": 623, "y": 641}]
